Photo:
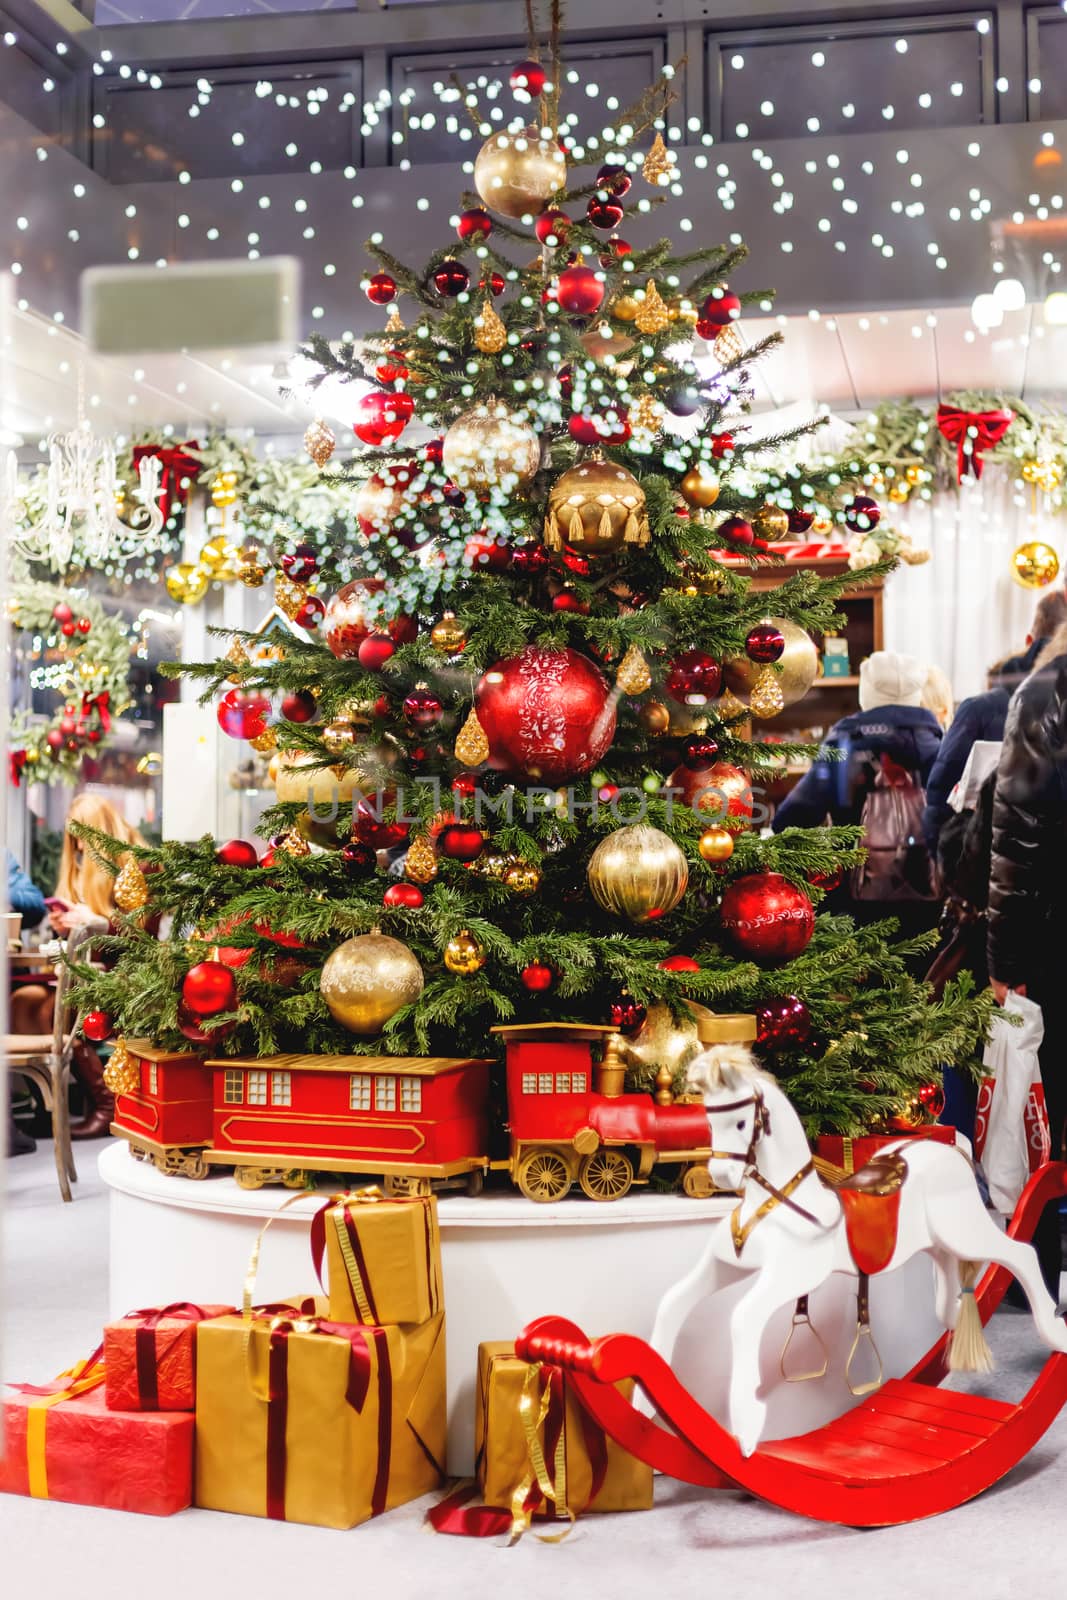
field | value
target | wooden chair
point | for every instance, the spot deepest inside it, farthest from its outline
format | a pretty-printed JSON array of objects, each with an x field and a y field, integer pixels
[{"x": 45, "y": 1060}]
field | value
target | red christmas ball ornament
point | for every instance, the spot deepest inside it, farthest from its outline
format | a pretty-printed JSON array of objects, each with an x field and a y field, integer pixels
[
  {"x": 375, "y": 651},
  {"x": 301, "y": 564},
  {"x": 423, "y": 709},
  {"x": 451, "y": 278},
  {"x": 464, "y": 784},
  {"x": 735, "y": 530},
  {"x": 699, "y": 751},
  {"x": 485, "y": 553},
  {"x": 407, "y": 895},
  {"x": 461, "y": 842},
  {"x": 613, "y": 251},
  {"x": 529, "y": 559},
  {"x": 783, "y": 1023},
  {"x": 575, "y": 562},
  {"x": 403, "y": 629},
  {"x": 765, "y": 644},
  {"x": 826, "y": 880},
  {"x": 209, "y": 988},
  {"x": 611, "y": 428},
  {"x": 528, "y": 78},
  {"x": 84, "y": 625},
  {"x": 97, "y": 1026},
  {"x": 359, "y": 861},
  {"x": 299, "y": 706},
  {"x": 311, "y": 612},
  {"x": 474, "y": 225},
  {"x": 243, "y": 713},
  {"x": 344, "y": 626},
  {"x": 383, "y": 415},
  {"x": 67, "y": 726},
  {"x": 68, "y": 629},
  {"x": 626, "y": 1013},
  {"x": 722, "y": 444},
  {"x": 579, "y": 291},
  {"x": 546, "y": 713},
  {"x": 537, "y": 977},
  {"x": 604, "y": 214},
  {"x": 54, "y": 739},
  {"x": 720, "y": 308},
  {"x": 800, "y": 520},
  {"x": 862, "y": 513},
  {"x": 552, "y": 226},
  {"x": 721, "y": 790},
  {"x": 434, "y": 451},
  {"x": 380, "y": 289},
  {"x": 614, "y": 179},
  {"x": 494, "y": 282},
  {"x": 237, "y": 853},
  {"x": 194, "y": 1030},
  {"x": 369, "y": 827},
  {"x": 679, "y": 964},
  {"x": 61, "y": 612},
  {"x": 391, "y": 368},
  {"x": 766, "y": 918},
  {"x": 693, "y": 678},
  {"x": 268, "y": 859},
  {"x": 567, "y": 600},
  {"x": 931, "y": 1097}
]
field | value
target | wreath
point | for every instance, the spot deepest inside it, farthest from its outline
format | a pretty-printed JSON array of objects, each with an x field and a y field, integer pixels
[{"x": 83, "y": 655}]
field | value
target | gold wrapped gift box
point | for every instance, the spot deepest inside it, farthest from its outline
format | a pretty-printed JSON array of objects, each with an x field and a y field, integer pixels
[
  {"x": 305, "y": 1420},
  {"x": 383, "y": 1257}
]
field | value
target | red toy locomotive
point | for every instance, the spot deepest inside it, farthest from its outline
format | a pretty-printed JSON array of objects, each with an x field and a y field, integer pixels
[{"x": 420, "y": 1122}]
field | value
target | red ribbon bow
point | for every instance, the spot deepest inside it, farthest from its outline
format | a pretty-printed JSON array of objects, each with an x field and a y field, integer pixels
[
  {"x": 177, "y": 465},
  {"x": 146, "y": 1354},
  {"x": 101, "y": 704},
  {"x": 972, "y": 432},
  {"x": 17, "y": 759}
]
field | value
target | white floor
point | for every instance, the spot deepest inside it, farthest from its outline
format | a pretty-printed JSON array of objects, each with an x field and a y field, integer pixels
[{"x": 1010, "y": 1541}]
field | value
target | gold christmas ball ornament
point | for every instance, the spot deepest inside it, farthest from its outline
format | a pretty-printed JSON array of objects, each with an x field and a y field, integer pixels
[
  {"x": 366, "y": 980},
  {"x": 219, "y": 557},
  {"x": 486, "y": 447},
  {"x": 122, "y": 1075},
  {"x": 1035, "y": 565},
  {"x": 596, "y": 507},
  {"x": 224, "y": 489},
  {"x": 496, "y": 865},
  {"x": 700, "y": 487},
  {"x": 654, "y": 718},
  {"x": 464, "y": 955},
  {"x": 339, "y": 734},
  {"x": 915, "y": 475},
  {"x": 770, "y": 522},
  {"x": 899, "y": 493},
  {"x": 663, "y": 1041},
  {"x": 130, "y": 889},
  {"x": 522, "y": 877},
  {"x": 300, "y": 781},
  {"x": 252, "y": 566},
  {"x": 625, "y": 307},
  {"x": 516, "y": 174},
  {"x": 319, "y": 442},
  {"x": 448, "y": 635},
  {"x": 638, "y": 873},
  {"x": 799, "y": 664},
  {"x": 716, "y": 845},
  {"x": 187, "y": 582}
]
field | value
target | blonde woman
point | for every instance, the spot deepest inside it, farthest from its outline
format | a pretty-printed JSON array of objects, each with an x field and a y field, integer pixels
[{"x": 937, "y": 696}]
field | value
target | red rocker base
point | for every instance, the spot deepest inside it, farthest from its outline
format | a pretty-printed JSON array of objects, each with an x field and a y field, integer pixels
[{"x": 910, "y": 1451}]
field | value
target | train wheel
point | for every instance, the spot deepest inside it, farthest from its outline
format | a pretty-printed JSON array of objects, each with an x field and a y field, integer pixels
[
  {"x": 543, "y": 1176},
  {"x": 254, "y": 1177},
  {"x": 697, "y": 1182},
  {"x": 475, "y": 1182},
  {"x": 295, "y": 1178},
  {"x": 400, "y": 1186},
  {"x": 606, "y": 1175}
]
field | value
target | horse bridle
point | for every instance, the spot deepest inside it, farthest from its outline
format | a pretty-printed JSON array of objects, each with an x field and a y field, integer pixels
[{"x": 761, "y": 1124}]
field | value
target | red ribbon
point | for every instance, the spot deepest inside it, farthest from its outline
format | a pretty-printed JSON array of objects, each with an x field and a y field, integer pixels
[
  {"x": 67, "y": 1380},
  {"x": 176, "y": 465},
  {"x": 146, "y": 1351},
  {"x": 101, "y": 704},
  {"x": 972, "y": 432},
  {"x": 17, "y": 760}
]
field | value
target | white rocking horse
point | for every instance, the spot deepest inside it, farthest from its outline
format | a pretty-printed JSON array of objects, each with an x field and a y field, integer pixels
[{"x": 791, "y": 1230}]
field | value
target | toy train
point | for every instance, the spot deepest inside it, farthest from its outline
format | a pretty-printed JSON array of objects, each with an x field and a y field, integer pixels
[{"x": 422, "y": 1122}]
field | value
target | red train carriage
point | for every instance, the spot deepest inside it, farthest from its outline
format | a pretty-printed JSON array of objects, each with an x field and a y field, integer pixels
[{"x": 167, "y": 1118}]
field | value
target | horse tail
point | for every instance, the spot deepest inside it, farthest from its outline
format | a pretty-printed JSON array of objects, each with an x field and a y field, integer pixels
[{"x": 968, "y": 1347}]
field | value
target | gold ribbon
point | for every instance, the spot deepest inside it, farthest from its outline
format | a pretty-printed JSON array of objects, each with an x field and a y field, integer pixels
[
  {"x": 533, "y": 1411},
  {"x": 83, "y": 1378},
  {"x": 348, "y": 1255},
  {"x": 248, "y": 1295}
]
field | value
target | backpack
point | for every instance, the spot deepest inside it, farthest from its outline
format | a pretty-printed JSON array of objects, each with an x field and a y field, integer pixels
[{"x": 898, "y": 865}]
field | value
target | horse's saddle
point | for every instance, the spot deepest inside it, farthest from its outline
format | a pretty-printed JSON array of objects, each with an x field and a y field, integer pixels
[{"x": 870, "y": 1199}]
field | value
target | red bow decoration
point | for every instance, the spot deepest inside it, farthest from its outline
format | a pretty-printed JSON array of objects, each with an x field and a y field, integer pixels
[
  {"x": 972, "y": 432},
  {"x": 101, "y": 704},
  {"x": 176, "y": 465},
  {"x": 17, "y": 759}
]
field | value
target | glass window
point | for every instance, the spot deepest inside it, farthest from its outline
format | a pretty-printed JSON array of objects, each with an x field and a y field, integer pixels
[
  {"x": 579, "y": 1081},
  {"x": 385, "y": 1094},
  {"x": 257, "y": 1088},
  {"x": 544, "y": 1083},
  {"x": 563, "y": 1083},
  {"x": 411, "y": 1094},
  {"x": 153, "y": 1078},
  {"x": 281, "y": 1088},
  {"x": 234, "y": 1091},
  {"x": 359, "y": 1092},
  {"x": 529, "y": 1083}
]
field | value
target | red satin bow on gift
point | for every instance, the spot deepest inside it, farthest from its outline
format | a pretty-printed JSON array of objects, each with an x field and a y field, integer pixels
[
  {"x": 176, "y": 465},
  {"x": 146, "y": 1354},
  {"x": 101, "y": 704},
  {"x": 972, "y": 432}
]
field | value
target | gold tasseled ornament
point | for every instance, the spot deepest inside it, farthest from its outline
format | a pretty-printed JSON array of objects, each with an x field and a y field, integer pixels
[
  {"x": 131, "y": 890},
  {"x": 394, "y": 323},
  {"x": 289, "y": 596},
  {"x": 237, "y": 656},
  {"x": 420, "y": 863},
  {"x": 122, "y": 1075},
  {"x": 265, "y": 742},
  {"x": 729, "y": 345},
  {"x": 634, "y": 675},
  {"x": 490, "y": 332},
  {"x": 319, "y": 442},
  {"x": 766, "y": 699},
  {"x": 657, "y": 164},
  {"x": 653, "y": 316},
  {"x": 472, "y": 746},
  {"x": 596, "y": 506}
]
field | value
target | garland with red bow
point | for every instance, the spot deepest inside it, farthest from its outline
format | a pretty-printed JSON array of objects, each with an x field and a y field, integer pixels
[{"x": 973, "y": 433}]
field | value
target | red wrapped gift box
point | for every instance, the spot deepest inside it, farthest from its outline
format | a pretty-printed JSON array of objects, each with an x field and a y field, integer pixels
[
  {"x": 150, "y": 1357},
  {"x": 852, "y": 1154},
  {"x": 62, "y": 1443}
]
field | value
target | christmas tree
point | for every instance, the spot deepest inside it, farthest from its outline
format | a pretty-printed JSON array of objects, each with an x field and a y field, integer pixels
[{"x": 510, "y": 785}]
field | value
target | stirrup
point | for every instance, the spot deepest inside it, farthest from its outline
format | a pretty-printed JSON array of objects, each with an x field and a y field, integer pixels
[
  {"x": 801, "y": 1319},
  {"x": 863, "y": 1329}
]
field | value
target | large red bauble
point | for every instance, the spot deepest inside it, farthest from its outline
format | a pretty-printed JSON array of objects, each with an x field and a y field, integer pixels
[
  {"x": 800, "y": 520},
  {"x": 553, "y": 224},
  {"x": 528, "y": 78},
  {"x": 610, "y": 429},
  {"x": 736, "y": 531},
  {"x": 209, "y": 988},
  {"x": 766, "y": 918},
  {"x": 237, "y": 853},
  {"x": 383, "y": 415},
  {"x": 381, "y": 288},
  {"x": 721, "y": 789},
  {"x": 693, "y": 677},
  {"x": 375, "y": 651},
  {"x": 547, "y": 713},
  {"x": 722, "y": 444},
  {"x": 720, "y": 308},
  {"x": 299, "y": 706},
  {"x": 461, "y": 842},
  {"x": 474, "y": 225},
  {"x": 383, "y": 497},
  {"x": 96, "y": 1025},
  {"x": 699, "y": 751},
  {"x": 679, "y": 964},
  {"x": 243, "y": 713},
  {"x": 300, "y": 564},
  {"x": 537, "y": 977},
  {"x": 605, "y": 214},
  {"x": 369, "y": 827},
  {"x": 485, "y": 553},
  {"x": 494, "y": 282},
  {"x": 62, "y": 612},
  {"x": 579, "y": 291},
  {"x": 311, "y": 612},
  {"x": 423, "y": 709},
  {"x": 782, "y": 1023},
  {"x": 345, "y": 625},
  {"x": 451, "y": 278},
  {"x": 765, "y": 643},
  {"x": 614, "y": 250},
  {"x": 529, "y": 558},
  {"x": 862, "y": 513},
  {"x": 614, "y": 179},
  {"x": 408, "y": 895}
]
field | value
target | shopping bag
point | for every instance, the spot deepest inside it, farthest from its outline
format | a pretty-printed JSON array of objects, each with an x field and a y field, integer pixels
[{"x": 1011, "y": 1132}]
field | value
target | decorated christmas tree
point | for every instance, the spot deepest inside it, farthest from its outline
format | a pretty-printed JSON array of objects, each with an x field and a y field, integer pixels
[{"x": 515, "y": 771}]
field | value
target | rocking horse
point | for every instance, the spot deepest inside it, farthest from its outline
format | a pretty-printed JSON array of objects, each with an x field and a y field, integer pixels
[{"x": 791, "y": 1229}]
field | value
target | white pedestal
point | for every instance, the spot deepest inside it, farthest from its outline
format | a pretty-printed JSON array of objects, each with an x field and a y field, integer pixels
[{"x": 505, "y": 1262}]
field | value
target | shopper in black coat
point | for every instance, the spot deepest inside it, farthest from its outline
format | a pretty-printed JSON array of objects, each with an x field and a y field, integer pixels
[{"x": 1028, "y": 880}]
